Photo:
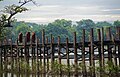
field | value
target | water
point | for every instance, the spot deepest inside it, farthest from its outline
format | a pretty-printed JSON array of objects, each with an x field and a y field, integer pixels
[{"x": 32, "y": 75}]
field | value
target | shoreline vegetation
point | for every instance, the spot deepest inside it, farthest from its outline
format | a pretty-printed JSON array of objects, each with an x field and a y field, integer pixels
[{"x": 22, "y": 67}]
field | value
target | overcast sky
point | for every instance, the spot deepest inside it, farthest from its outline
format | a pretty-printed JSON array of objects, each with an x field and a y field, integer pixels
[{"x": 75, "y": 10}]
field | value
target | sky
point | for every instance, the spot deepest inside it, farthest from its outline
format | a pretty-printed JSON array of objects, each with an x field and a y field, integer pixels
[{"x": 75, "y": 10}]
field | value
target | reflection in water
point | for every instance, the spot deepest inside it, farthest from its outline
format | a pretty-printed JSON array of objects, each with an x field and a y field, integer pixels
[{"x": 6, "y": 74}]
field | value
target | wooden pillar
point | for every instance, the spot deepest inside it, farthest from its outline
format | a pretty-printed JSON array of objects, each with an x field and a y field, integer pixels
[
  {"x": 67, "y": 51},
  {"x": 20, "y": 41},
  {"x": 33, "y": 50},
  {"x": 92, "y": 52},
  {"x": 34, "y": 44},
  {"x": 11, "y": 51},
  {"x": 5, "y": 55},
  {"x": 115, "y": 55},
  {"x": 59, "y": 56},
  {"x": 102, "y": 47},
  {"x": 25, "y": 51},
  {"x": 43, "y": 46},
  {"x": 118, "y": 34},
  {"x": 18, "y": 61},
  {"x": 99, "y": 47},
  {"x": 28, "y": 42},
  {"x": 1, "y": 55},
  {"x": 40, "y": 53},
  {"x": 83, "y": 54},
  {"x": 75, "y": 54},
  {"x": 1, "y": 60},
  {"x": 99, "y": 50},
  {"x": 37, "y": 56},
  {"x": 108, "y": 38},
  {"x": 20, "y": 37},
  {"x": 47, "y": 53},
  {"x": 52, "y": 51}
]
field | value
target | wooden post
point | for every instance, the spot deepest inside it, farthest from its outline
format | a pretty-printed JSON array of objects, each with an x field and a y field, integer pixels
[
  {"x": 34, "y": 44},
  {"x": 33, "y": 54},
  {"x": 5, "y": 55},
  {"x": 53, "y": 48},
  {"x": 21, "y": 54},
  {"x": 102, "y": 47},
  {"x": 108, "y": 37},
  {"x": 1, "y": 55},
  {"x": 67, "y": 52},
  {"x": 52, "y": 52},
  {"x": 99, "y": 50},
  {"x": 25, "y": 51},
  {"x": 99, "y": 47},
  {"x": 1, "y": 60},
  {"x": 92, "y": 52},
  {"x": 115, "y": 55},
  {"x": 59, "y": 56},
  {"x": 20, "y": 37},
  {"x": 43, "y": 46},
  {"x": 40, "y": 53},
  {"x": 37, "y": 56},
  {"x": 33, "y": 41},
  {"x": 28, "y": 37},
  {"x": 47, "y": 54},
  {"x": 118, "y": 34},
  {"x": 75, "y": 54},
  {"x": 11, "y": 51},
  {"x": 83, "y": 55},
  {"x": 33, "y": 37},
  {"x": 18, "y": 63},
  {"x": 20, "y": 40},
  {"x": 27, "y": 48}
]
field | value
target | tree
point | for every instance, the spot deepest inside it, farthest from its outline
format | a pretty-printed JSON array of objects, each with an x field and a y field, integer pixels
[
  {"x": 23, "y": 28},
  {"x": 85, "y": 24},
  {"x": 58, "y": 28},
  {"x": 103, "y": 24},
  {"x": 63, "y": 23},
  {"x": 117, "y": 23},
  {"x": 8, "y": 15}
]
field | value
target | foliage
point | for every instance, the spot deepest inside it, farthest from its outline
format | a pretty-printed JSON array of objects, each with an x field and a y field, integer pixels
[
  {"x": 60, "y": 28},
  {"x": 23, "y": 28},
  {"x": 2, "y": 29},
  {"x": 117, "y": 23},
  {"x": 8, "y": 16},
  {"x": 109, "y": 68},
  {"x": 103, "y": 24},
  {"x": 85, "y": 24},
  {"x": 57, "y": 30}
]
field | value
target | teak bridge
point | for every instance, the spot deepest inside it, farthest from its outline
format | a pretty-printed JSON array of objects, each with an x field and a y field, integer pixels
[{"x": 29, "y": 48}]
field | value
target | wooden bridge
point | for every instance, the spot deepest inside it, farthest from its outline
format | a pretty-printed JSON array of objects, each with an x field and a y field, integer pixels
[{"x": 30, "y": 48}]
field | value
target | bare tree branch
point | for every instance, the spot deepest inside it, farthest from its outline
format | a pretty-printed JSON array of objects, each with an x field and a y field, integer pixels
[{"x": 15, "y": 12}]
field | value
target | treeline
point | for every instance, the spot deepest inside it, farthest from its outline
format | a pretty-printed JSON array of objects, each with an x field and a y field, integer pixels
[{"x": 60, "y": 27}]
